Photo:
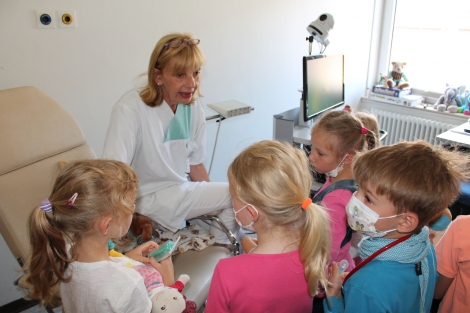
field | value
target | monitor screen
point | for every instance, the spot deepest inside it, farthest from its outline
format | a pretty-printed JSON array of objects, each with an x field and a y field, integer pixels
[{"x": 323, "y": 84}]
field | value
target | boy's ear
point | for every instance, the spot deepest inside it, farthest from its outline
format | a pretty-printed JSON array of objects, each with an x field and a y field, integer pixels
[
  {"x": 103, "y": 225},
  {"x": 408, "y": 222}
]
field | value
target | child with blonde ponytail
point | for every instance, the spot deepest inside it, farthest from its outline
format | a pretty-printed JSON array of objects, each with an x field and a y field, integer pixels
[
  {"x": 92, "y": 201},
  {"x": 270, "y": 184}
]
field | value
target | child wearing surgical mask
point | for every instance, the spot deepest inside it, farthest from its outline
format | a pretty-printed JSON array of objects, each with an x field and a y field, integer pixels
[
  {"x": 270, "y": 184},
  {"x": 335, "y": 139},
  {"x": 400, "y": 189}
]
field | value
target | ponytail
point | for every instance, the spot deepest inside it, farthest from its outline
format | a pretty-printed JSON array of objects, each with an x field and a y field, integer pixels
[
  {"x": 314, "y": 247},
  {"x": 49, "y": 259}
]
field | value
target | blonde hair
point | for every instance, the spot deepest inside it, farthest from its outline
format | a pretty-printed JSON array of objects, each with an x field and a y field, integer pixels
[
  {"x": 103, "y": 188},
  {"x": 346, "y": 134},
  {"x": 370, "y": 121},
  {"x": 415, "y": 176},
  {"x": 275, "y": 178},
  {"x": 183, "y": 58}
]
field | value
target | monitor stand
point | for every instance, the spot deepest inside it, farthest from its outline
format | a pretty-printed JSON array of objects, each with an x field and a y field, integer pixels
[{"x": 302, "y": 123}]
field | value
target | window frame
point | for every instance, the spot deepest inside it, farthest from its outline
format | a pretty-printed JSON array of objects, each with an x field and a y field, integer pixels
[{"x": 381, "y": 46}]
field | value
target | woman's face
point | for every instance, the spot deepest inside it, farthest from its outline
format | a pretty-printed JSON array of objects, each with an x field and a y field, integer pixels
[{"x": 177, "y": 87}]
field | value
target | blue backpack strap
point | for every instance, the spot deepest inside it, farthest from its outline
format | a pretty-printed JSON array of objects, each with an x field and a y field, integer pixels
[{"x": 348, "y": 184}]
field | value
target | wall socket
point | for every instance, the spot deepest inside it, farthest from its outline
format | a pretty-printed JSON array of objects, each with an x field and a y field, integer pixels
[
  {"x": 67, "y": 18},
  {"x": 45, "y": 19}
]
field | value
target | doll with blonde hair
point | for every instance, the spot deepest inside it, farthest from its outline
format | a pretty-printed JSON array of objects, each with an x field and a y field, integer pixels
[
  {"x": 92, "y": 201},
  {"x": 270, "y": 185}
]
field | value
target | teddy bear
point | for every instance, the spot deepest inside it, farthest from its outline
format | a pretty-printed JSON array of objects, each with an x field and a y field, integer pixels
[
  {"x": 451, "y": 100},
  {"x": 142, "y": 226},
  {"x": 396, "y": 78}
]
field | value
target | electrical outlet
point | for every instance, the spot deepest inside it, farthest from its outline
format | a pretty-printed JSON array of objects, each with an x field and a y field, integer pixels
[
  {"x": 45, "y": 19},
  {"x": 67, "y": 18}
]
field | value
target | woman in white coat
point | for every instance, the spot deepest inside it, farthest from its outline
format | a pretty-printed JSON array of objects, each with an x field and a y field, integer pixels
[{"x": 160, "y": 131}]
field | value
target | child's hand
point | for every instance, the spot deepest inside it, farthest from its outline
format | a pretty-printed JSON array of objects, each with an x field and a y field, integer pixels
[
  {"x": 165, "y": 268},
  {"x": 335, "y": 281},
  {"x": 140, "y": 253}
]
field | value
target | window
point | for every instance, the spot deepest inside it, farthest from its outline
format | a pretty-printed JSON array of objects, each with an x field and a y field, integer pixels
[{"x": 432, "y": 37}]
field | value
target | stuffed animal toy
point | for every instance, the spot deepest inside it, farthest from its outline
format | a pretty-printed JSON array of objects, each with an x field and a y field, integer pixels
[
  {"x": 397, "y": 78},
  {"x": 451, "y": 100},
  {"x": 465, "y": 107},
  {"x": 141, "y": 226},
  {"x": 164, "y": 299},
  {"x": 171, "y": 300}
]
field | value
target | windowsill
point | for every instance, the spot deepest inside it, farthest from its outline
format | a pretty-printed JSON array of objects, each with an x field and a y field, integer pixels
[{"x": 423, "y": 112}]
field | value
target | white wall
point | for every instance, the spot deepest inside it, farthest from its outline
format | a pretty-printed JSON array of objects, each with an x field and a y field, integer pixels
[{"x": 254, "y": 55}]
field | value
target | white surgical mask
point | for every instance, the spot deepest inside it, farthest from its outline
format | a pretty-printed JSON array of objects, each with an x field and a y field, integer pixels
[
  {"x": 338, "y": 169},
  {"x": 250, "y": 226},
  {"x": 361, "y": 218}
]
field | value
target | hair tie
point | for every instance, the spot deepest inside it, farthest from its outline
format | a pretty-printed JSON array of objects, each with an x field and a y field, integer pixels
[
  {"x": 347, "y": 108},
  {"x": 46, "y": 206},
  {"x": 306, "y": 203},
  {"x": 364, "y": 130},
  {"x": 71, "y": 201}
]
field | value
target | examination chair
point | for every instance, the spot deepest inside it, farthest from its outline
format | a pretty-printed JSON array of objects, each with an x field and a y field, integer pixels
[{"x": 37, "y": 133}]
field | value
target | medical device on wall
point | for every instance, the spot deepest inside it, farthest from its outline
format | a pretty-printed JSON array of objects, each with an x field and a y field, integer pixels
[
  {"x": 323, "y": 85},
  {"x": 230, "y": 108},
  {"x": 319, "y": 30}
]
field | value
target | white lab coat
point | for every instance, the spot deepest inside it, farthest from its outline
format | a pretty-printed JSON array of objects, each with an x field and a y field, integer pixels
[{"x": 160, "y": 146}]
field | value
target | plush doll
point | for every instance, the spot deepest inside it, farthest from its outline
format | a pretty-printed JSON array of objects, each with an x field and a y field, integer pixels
[
  {"x": 397, "y": 78},
  {"x": 465, "y": 107},
  {"x": 141, "y": 226},
  {"x": 164, "y": 299},
  {"x": 451, "y": 100}
]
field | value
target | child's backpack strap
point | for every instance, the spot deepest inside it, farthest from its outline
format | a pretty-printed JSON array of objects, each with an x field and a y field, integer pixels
[{"x": 348, "y": 184}]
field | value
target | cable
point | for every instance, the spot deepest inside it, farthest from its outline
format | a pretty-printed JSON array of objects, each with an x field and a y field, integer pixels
[{"x": 215, "y": 144}]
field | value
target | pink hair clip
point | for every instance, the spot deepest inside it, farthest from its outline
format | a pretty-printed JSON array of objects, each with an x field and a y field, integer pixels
[
  {"x": 71, "y": 201},
  {"x": 364, "y": 130}
]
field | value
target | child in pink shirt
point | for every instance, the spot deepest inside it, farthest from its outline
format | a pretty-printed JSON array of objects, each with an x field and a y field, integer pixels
[
  {"x": 335, "y": 139},
  {"x": 270, "y": 184}
]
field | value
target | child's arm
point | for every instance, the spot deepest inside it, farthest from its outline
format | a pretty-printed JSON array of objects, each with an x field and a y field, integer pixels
[
  {"x": 442, "y": 285},
  {"x": 165, "y": 268},
  {"x": 140, "y": 253}
]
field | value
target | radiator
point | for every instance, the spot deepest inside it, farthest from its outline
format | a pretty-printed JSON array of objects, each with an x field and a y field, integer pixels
[{"x": 402, "y": 127}]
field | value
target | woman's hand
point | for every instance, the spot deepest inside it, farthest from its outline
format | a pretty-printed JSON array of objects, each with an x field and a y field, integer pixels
[
  {"x": 140, "y": 253},
  {"x": 335, "y": 281},
  {"x": 165, "y": 268}
]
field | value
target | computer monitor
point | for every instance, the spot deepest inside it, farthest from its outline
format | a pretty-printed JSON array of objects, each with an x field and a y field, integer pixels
[{"x": 323, "y": 84}]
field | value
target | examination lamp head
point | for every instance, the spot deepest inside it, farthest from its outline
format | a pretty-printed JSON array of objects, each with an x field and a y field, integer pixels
[{"x": 320, "y": 27}]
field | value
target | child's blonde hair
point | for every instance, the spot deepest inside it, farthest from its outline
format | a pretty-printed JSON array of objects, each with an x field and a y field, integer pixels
[
  {"x": 103, "y": 189},
  {"x": 347, "y": 132},
  {"x": 275, "y": 178},
  {"x": 370, "y": 121},
  {"x": 415, "y": 176}
]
